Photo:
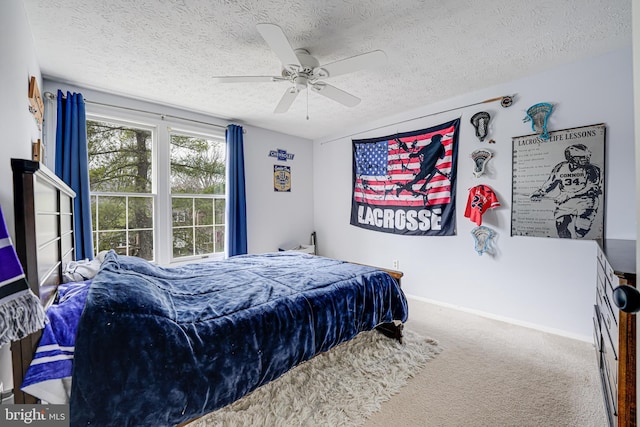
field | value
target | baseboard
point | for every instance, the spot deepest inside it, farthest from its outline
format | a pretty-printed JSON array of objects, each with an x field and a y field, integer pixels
[{"x": 492, "y": 316}]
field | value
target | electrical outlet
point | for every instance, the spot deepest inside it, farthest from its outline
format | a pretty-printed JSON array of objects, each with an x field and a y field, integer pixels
[{"x": 396, "y": 264}]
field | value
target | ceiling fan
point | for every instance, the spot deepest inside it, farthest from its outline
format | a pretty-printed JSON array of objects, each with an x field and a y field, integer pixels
[{"x": 303, "y": 71}]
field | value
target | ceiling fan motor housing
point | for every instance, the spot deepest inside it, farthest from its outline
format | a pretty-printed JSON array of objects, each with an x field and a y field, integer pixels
[{"x": 307, "y": 65}]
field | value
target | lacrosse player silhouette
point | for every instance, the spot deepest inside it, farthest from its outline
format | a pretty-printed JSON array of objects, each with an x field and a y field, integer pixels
[
  {"x": 429, "y": 155},
  {"x": 575, "y": 185}
]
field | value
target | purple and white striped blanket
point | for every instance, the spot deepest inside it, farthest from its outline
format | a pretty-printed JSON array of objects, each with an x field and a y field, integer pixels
[
  {"x": 21, "y": 312},
  {"x": 49, "y": 375}
]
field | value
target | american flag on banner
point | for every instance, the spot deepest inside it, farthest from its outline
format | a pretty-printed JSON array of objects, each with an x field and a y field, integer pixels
[{"x": 399, "y": 178}]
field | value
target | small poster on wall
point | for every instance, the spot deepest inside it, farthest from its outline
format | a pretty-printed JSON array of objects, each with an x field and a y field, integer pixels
[
  {"x": 558, "y": 184},
  {"x": 281, "y": 178}
]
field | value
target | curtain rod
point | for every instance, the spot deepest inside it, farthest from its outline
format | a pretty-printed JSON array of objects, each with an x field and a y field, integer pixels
[
  {"x": 505, "y": 101},
  {"x": 52, "y": 96}
]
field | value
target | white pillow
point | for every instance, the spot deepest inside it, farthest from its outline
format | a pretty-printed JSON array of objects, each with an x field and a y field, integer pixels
[{"x": 77, "y": 271}]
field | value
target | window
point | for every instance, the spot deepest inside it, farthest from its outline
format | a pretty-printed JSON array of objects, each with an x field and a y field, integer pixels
[
  {"x": 120, "y": 177},
  {"x": 198, "y": 175},
  {"x": 137, "y": 199}
]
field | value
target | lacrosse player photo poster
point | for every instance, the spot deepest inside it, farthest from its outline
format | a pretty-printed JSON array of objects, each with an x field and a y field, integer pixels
[
  {"x": 405, "y": 183},
  {"x": 558, "y": 184}
]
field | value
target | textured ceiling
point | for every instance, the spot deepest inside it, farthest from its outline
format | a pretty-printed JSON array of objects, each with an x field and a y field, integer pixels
[{"x": 166, "y": 51}]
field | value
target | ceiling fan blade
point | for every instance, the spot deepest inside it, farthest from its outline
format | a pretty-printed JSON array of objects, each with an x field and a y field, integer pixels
[
  {"x": 286, "y": 100},
  {"x": 275, "y": 38},
  {"x": 245, "y": 79},
  {"x": 349, "y": 65},
  {"x": 336, "y": 94}
]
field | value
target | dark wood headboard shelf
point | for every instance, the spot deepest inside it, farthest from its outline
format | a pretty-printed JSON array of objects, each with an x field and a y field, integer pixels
[{"x": 44, "y": 242}]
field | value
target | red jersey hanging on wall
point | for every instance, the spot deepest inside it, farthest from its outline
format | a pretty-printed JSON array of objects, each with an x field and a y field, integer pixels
[{"x": 481, "y": 198}]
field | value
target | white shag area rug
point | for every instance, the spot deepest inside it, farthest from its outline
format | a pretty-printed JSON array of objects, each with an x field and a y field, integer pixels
[{"x": 341, "y": 387}]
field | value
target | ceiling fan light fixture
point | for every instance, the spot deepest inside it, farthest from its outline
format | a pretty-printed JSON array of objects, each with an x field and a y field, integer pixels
[
  {"x": 300, "y": 82},
  {"x": 302, "y": 70}
]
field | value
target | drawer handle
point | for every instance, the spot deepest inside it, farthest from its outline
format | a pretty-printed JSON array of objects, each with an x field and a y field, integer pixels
[{"x": 627, "y": 298}]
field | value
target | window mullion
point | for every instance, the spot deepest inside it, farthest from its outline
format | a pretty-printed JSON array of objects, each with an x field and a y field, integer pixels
[{"x": 164, "y": 235}]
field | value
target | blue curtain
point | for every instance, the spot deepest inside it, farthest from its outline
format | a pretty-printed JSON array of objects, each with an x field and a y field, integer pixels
[
  {"x": 72, "y": 166},
  {"x": 236, "y": 201}
]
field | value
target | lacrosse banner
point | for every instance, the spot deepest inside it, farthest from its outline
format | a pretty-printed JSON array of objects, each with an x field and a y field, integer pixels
[{"x": 405, "y": 183}]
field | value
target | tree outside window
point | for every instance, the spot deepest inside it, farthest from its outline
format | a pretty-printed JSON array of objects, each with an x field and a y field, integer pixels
[{"x": 123, "y": 184}]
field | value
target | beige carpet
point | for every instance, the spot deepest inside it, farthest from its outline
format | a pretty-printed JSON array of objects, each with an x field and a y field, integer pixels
[
  {"x": 495, "y": 374},
  {"x": 488, "y": 374},
  {"x": 338, "y": 388}
]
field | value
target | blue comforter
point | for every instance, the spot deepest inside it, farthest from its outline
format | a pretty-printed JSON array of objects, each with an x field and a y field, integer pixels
[{"x": 159, "y": 346}]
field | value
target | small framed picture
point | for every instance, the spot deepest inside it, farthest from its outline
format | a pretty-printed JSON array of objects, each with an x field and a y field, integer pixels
[{"x": 282, "y": 178}]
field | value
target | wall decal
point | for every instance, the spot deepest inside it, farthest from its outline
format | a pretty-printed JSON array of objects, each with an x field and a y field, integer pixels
[{"x": 281, "y": 155}]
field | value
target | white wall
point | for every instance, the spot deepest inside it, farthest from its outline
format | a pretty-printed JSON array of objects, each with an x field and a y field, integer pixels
[
  {"x": 17, "y": 65},
  {"x": 275, "y": 218},
  {"x": 544, "y": 283}
]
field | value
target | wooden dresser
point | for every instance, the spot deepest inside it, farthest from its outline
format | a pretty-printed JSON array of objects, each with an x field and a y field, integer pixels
[{"x": 615, "y": 332}]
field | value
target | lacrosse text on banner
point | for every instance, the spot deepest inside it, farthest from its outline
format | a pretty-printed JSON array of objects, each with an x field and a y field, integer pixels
[{"x": 405, "y": 183}]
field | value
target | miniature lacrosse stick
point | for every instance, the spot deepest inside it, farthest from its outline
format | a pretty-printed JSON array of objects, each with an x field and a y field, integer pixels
[
  {"x": 483, "y": 237},
  {"x": 480, "y": 121},
  {"x": 538, "y": 115},
  {"x": 480, "y": 158}
]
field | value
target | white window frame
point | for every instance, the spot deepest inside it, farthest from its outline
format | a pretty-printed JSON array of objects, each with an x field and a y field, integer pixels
[
  {"x": 196, "y": 134},
  {"x": 161, "y": 128}
]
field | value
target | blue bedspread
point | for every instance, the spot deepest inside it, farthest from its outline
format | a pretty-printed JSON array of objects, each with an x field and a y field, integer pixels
[{"x": 160, "y": 346}]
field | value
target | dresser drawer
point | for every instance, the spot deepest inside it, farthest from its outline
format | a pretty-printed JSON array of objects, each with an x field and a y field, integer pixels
[
  {"x": 607, "y": 318},
  {"x": 600, "y": 272},
  {"x": 610, "y": 332},
  {"x": 597, "y": 332},
  {"x": 611, "y": 281},
  {"x": 610, "y": 377},
  {"x": 602, "y": 259},
  {"x": 602, "y": 300}
]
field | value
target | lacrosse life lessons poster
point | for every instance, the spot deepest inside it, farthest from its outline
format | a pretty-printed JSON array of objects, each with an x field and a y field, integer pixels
[
  {"x": 558, "y": 184},
  {"x": 405, "y": 183}
]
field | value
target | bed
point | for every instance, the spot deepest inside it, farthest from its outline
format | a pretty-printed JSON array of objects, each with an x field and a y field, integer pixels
[
  {"x": 43, "y": 212},
  {"x": 161, "y": 346}
]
